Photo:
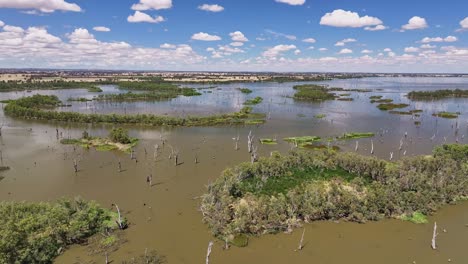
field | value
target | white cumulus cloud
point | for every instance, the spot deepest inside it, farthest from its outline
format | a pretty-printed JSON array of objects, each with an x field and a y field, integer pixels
[
  {"x": 343, "y": 18},
  {"x": 2, "y": 23},
  {"x": 167, "y": 46},
  {"x": 277, "y": 50},
  {"x": 238, "y": 36},
  {"x": 139, "y": 17},
  {"x": 415, "y": 23},
  {"x": 46, "y": 6},
  {"x": 211, "y": 8},
  {"x": 464, "y": 23},
  {"x": 205, "y": 37},
  {"x": 309, "y": 40},
  {"x": 411, "y": 49},
  {"x": 345, "y": 51},
  {"x": 292, "y": 2},
  {"x": 152, "y": 4},
  {"x": 439, "y": 39},
  {"x": 101, "y": 29},
  {"x": 376, "y": 28},
  {"x": 366, "y": 51}
]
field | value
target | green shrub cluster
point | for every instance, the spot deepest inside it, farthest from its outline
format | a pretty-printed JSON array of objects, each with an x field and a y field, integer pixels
[
  {"x": 312, "y": 92},
  {"x": 280, "y": 192},
  {"x": 29, "y": 108},
  {"x": 120, "y": 135},
  {"x": 438, "y": 94},
  {"x": 38, "y": 232}
]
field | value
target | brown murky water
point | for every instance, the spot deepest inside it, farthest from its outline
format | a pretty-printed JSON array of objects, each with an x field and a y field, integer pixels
[{"x": 165, "y": 217}]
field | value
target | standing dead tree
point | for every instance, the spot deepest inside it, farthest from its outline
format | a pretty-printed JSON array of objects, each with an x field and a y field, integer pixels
[
  {"x": 75, "y": 165},
  {"x": 250, "y": 139},
  {"x": 254, "y": 155},
  {"x": 236, "y": 140},
  {"x": 434, "y": 235},
  {"x": 208, "y": 253},
  {"x": 301, "y": 243},
  {"x": 119, "y": 220},
  {"x": 372, "y": 147},
  {"x": 174, "y": 154}
]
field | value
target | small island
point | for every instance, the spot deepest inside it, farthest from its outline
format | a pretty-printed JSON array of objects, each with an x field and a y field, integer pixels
[{"x": 118, "y": 140}]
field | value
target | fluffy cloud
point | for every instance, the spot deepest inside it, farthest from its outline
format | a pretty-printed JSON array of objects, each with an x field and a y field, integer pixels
[
  {"x": 152, "y": 4},
  {"x": 415, "y": 23},
  {"x": 345, "y": 51},
  {"x": 411, "y": 49},
  {"x": 237, "y": 44},
  {"x": 439, "y": 39},
  {"x": 139, "y": 17},
  {"x": 309, "y": 40},
  {"x": 211, "y": 8},
  {"x": 101, "y": 29},
  {"x": 1, "y": 23},
  {"x": 366, "y": 51},
  {"x": 167, "y": 46},
  {"x": 205, "y": 37},
  {"x": 277, "y": 50},
  {"x": 323, "y": 49},
  {"x": 344, "y": 41},
  {"x": 342, "y": 18},
  {"x": 464, "y": 23},
  {"x": 46, "y": 6},
  {"x": 427, "y": 46},
  {"x": 238, "y": 36},
  {"x": 35, "y": 47},
  {"x": 292, "y": 2},
  {"x": 376, "y": 28}
]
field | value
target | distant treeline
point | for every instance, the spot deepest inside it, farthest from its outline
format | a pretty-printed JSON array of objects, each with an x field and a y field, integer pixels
[
  {"x": 279, "y": 193},
  {"x": 38, "y": 107},
  {"x": 49, "y": 85},
  {"x": 438, "y": 94}
]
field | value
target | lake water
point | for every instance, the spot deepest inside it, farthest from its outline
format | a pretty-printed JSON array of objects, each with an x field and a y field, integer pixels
[{"x": 165, "y": 217}]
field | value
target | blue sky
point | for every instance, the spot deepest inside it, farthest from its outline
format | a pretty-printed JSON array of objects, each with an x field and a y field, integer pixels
[{"x": 241, "y": 35}]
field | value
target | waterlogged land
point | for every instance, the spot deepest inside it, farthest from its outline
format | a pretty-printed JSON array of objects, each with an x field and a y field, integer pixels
[{"x": 164, "y": 214}]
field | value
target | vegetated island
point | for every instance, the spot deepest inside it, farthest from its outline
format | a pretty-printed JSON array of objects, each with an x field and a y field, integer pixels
[
  {"x": 449, "y": 115},
  {"x": 437, "y": 95},
  {"x": 41, "y": 107},
  {"x": 254, "y": 101},
  {"x": 312, "y": 92},
  {"x": 118, "y": 140},
  {"x": 245, "y": 90},
  {"x": 280, "y": 193},
  {"x": 39, "y": 232},
  {"x": 308, "y": 141},
  {"x": 47, "y": 85}
]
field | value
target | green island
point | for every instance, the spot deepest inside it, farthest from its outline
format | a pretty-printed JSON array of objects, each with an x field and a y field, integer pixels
[
  {"x": 39, "y": 232},
  {"x": 380, "y": 101},
  {"x": 375, "y": 97},
  {"x": 449, "y": 115},
  {"x": 411, "y": 112},
  {"x": 254, "y": 101},
  {"x": 49, "y": 85},
  {"x": 337, "y": 89},
  {"x": 244, "y": 90},
  {"x": 118, "y": 140},
  {"x": 391, "y": 106},
  {"x": 302, "y": 141},
  {"x": 312, "y": 92},
  {"x": 320, "y": 116},
  {"x": 282, "y": 192},
  {"x": 95, "y": 90},
  {"x": 268, "y": 141},
  {"x": 355, "y": 135},
  {"x": 345, "y": 99},
  {"x": 40, "y": 107},
  {"x": 438, "y": 94}
]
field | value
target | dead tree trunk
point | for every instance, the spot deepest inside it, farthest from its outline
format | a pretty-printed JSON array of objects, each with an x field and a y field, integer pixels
[
  {"x": 434, "y": 235},
  {"x": 208, "y": 253},
  {"x": 372, "y": 147},
  {"x": 75, "y": 165},
  {"x": 301, "y": 245},
  {"x": 119, "y": 221}
]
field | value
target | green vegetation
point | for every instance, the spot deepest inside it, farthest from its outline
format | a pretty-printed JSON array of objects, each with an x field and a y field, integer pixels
[
  {"x": 268, "y": 141},
  {"x": 245, "y": 90},
  {"x": 151, "y": 257},
  {"x": 450, "y": 115},
  {"x": 416, "y": 218},
  {"x": 279, "y": 193},
  {"x": 38, "y": 232},
  {"x": 118, "y": 140},
  {"x": 312, "y": 92},
  {"x": 94, "y": 89},
  {"x": 375, "y": 97},
  {"x": 400, "y": 112},
  {"x": 254, "y": 101},
  {"x": 349, "y": 90},
  {"x": 4, "y": 168},
  {"x": 320, "y": 116},
  {"x": 302, "y": 141},
  {"x": 391, "y": 106},
  {"x": 80, "y": 99},
  {"x": 347, "y": 136},
  {"x": 438, "y": 94},
  {"x": 45, "y": 85},
  {"x": 345, "y": 99},
  {"x": 381, "y": 101},
  {"x": 417, "y": 123},
  {"x": 32, "y": 108},
  {"x": 240, "y": 240}
]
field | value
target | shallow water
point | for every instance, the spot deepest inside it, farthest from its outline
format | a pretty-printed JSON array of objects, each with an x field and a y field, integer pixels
[{"x": 165, "y": 217}]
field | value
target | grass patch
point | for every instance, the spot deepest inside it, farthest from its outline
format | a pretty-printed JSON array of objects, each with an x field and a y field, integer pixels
[
  {"x": 302, "y": 141},
  {"x": 241, "y": 240},
  {"x": 381, "y": 101},
  {"x": 268, "y": 141},
  {"x": 416, "y": 218},
  {"x": 94, "y": 89},
  {"x": 320, "y": 116},
  {"x": 438, "y": 94},
  {"x": 355, "y": 135},
  {"x": 254, "y": 101},
  {"x": 375, "y": 97},
  {"x": 312, "y": 92},
  {"x": 391, "y": 106},
  {"x": 449, "y": 115},
  {"x": 345, "y": 99},
  {"x": 244, "y": 90}
]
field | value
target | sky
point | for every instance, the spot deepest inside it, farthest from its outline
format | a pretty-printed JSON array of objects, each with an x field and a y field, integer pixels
[{"x": 423, "y": 36}]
